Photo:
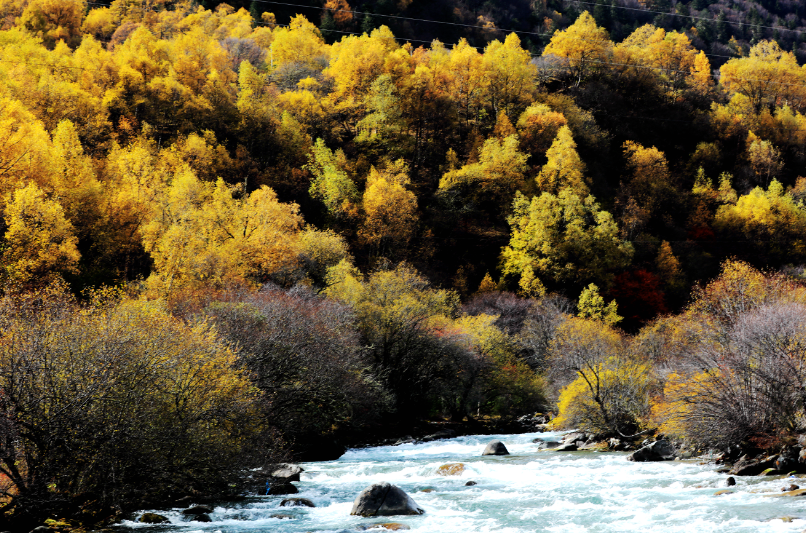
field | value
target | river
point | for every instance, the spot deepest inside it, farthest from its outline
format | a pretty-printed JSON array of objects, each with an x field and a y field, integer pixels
[{"x": 524, "y": 492}]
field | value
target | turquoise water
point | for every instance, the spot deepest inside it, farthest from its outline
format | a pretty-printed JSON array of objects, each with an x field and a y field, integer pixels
[{"x": 527, "y": 491}]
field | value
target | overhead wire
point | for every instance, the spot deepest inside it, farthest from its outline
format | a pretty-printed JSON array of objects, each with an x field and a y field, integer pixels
[{"x": 685, "y": 16}]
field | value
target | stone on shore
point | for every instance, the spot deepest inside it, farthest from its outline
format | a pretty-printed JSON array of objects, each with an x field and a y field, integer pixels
[
  {"x": 752, "y": 467},
  {"x": 660, "y": 450},
  {"x": 385, "y": 499},
  {"x": 495, "y": 447}
]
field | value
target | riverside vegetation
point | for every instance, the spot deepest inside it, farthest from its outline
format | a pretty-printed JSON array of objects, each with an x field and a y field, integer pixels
[{"x": 228, "y": 241}]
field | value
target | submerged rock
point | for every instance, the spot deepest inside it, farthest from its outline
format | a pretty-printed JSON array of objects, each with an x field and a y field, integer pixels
[
  {"x": 385, "y": 499},
  {"x": 495, "y": 447},
  {"x": 196, "y": 510},
  {"x": 660, "y": 450},
  {"x": 451, "y": 469},
  {"x": 470, "y": 483},
  {"x": 297, "y": 502},
  {"x": 723, "y": 491},
  {"x": 282, "y": 516},
  {"x": 153, "y": 518},
  {"x": 389, "y": 526}
]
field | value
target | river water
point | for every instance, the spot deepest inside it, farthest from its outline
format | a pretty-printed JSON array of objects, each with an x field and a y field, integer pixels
[{"x": 527, "y": 491}]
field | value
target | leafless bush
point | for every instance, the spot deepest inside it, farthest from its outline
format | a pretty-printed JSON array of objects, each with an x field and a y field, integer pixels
[
  {"x": 751, "y": 382},
  {"x": 240, "y": 50},
  {"x": 303, "y": 352}
]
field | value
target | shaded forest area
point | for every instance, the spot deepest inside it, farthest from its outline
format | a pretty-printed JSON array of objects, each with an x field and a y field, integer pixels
[{"x": 230, "y": 239}]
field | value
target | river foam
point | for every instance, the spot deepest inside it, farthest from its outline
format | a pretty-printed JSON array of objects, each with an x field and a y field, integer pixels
[{"x": 527, "y": 491}]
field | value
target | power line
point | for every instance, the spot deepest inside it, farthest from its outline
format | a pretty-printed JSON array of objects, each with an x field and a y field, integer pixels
[
  {"x": 685, "y": 16},
  {"x": 540, "y": 34},
  {"x": 397, "y": 17}
]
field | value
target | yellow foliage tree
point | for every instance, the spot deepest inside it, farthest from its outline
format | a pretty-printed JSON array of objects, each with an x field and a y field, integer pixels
[
  {"x": 564, "y": 167},
  {"x": 495, "y": 177},
  {"x": 767, "y": 75},
  {"x": 538, "y": 126},
  {"x": 202, "y": 234},
  {"x": 390, "y": 210},
  {"x": 54, "y": 20},
  {"x": 300, "y": 42},
  {"x": 39, "y": 241},
  {"x": 608, "y": 391},
  {"x": 770, "y": 220},
  {"x": 591, "y": 305},
  {"x": 586, "y": 46},
  {"x": 510, "y": 75}
]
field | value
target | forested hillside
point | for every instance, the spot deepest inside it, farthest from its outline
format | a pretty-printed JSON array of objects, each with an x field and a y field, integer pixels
[{"x": 296, "y": 229}]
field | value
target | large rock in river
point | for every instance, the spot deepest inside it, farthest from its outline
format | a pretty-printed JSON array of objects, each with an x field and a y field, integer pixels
[
  {"x": 384, "y": 499},
  {"x": 660, "y": 450},
  {"x": 285, "y": 473},
  {"x": 495, "y": 447}
]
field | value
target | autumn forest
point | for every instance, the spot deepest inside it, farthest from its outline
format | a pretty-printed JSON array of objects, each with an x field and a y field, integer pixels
[{"x": 238, "y": 234}]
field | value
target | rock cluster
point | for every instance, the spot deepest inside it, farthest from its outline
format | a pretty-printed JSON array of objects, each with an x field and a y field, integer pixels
[{"x": 578, "y": 440}]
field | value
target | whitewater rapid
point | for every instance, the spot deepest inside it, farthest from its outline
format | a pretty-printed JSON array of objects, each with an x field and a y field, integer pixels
[{"x": 527, "y": 491}]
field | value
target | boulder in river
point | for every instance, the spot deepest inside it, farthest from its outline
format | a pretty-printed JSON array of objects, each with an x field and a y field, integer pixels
[
  {"x": 196, "y": 510},
  {"x": 495, "y": 447},
  {"x": 297, "y": 502},
  {"x": 286, "y": 473},
  {"x": 567, "y": 447},
  {"x": 730, "y": 482},
  {"x": 153, "y": 518},
  {"x": 451, "y": 469},
  {"x": 660, "y": 450},
  {"x": 202, "y": 518},
  {"x": 470, "y": 483},
  {"x": 385, "y": 499}
]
